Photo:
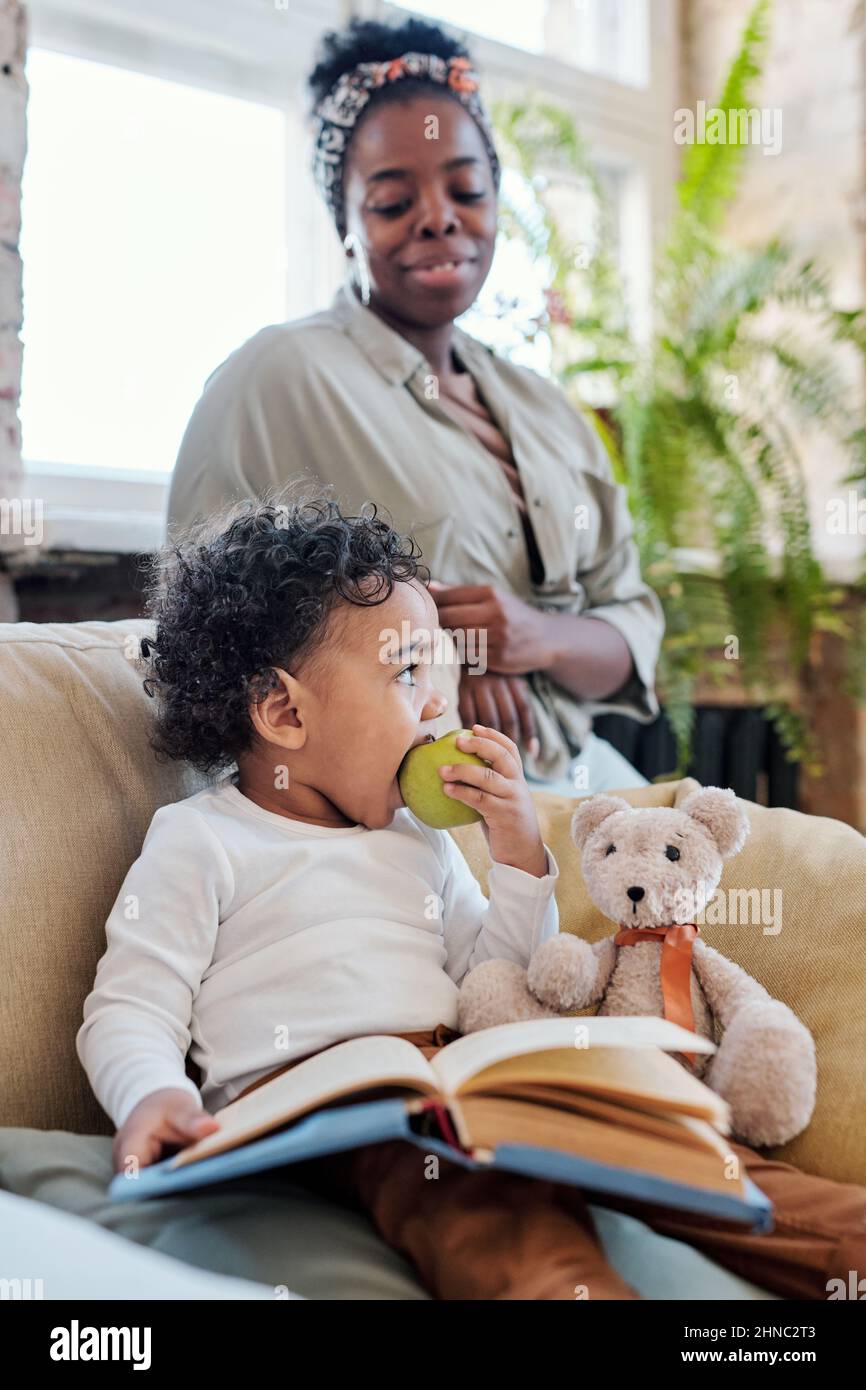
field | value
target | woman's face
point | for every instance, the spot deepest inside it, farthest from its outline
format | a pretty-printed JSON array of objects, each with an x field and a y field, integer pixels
[{"x": 419, "y": 191}]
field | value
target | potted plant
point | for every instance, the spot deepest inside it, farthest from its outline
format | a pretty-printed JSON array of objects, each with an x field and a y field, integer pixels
[{"x": 703, "y": 416}]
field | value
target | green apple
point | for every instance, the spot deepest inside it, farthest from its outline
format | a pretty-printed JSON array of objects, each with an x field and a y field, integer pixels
[{"x": 421, "y": 786}]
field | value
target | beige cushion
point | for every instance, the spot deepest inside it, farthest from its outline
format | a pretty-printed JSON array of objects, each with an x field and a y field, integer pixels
[
  {"x": 269, "y": 1229},
  {"x": 86, "y": 1262},
  {"x": 78, "y": 791},
  {"x": 80, "y": 785}
]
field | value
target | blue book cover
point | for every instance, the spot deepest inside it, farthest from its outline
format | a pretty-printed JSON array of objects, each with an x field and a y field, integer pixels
[{"x": 353, "y": 1125}]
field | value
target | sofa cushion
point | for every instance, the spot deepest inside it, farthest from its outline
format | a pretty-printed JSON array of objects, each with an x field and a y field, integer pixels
[
  {"x": 79, "y": 787},
  {"x": 811, "y": 957},
  {"x": 276, "y": 1232},
  {"x": 78, "y": 791},
  {"x": 81, "y": 1260}
]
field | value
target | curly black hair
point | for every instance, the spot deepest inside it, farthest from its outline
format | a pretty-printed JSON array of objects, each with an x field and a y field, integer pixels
[
  {"x": 369, "y": 41},
  {"x": 249, "y": 589}
]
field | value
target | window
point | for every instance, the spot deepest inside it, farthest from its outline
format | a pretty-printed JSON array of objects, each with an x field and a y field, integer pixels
[
  {"x": 512, "y": 296},
  {"x": 608, "y": 37},
  {"x": 512, "y": 299},
  {"x": 521, "y": 25},
  {"x": 153, "y": 243},
  {"x": 169, "y": 211}
]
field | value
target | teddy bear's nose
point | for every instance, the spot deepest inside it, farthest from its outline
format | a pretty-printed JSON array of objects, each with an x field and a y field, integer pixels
[{"x": 635, "y": 894}]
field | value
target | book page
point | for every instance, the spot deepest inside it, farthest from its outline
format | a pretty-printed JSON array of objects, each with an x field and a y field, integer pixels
[
  {"x": 342, "y": 1070},
  {"x": 490, "y": 1122},
  {"x": 460, "y": 1060},
  {"x": 643, "y": 1076},
  {"x": 681, "y": 1129}
]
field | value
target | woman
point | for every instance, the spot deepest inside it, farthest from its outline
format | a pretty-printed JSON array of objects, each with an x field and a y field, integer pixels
[{"x": 504, "y": 485}]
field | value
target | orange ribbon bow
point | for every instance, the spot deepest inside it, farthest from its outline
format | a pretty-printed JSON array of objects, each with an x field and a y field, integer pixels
[
  {"x": 677, "y": 943},
  {"x": 458, "y": 75}
]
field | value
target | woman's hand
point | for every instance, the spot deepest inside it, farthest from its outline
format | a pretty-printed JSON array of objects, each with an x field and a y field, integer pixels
[
  {"x": 590, "y": 658},
  {"x": 515, "y": 633},
  {"x": 499, "y": 702},
  {"x": 501, "y": 796}
]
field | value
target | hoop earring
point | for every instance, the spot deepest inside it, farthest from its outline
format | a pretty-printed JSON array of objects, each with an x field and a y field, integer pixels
[{"x": 351, "y": 240}]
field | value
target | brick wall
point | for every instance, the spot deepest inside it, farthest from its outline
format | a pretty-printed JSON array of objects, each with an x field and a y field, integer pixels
[
  {"x": 813, "y": 193},
  {"x": 13, "y": 137}
]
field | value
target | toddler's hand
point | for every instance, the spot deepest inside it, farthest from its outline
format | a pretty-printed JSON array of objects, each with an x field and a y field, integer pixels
[
  {"x": 499, "y": 794},
  {"x": 170, "y": 1116}
]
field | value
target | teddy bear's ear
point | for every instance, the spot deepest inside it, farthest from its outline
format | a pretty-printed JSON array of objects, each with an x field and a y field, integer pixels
[
  {"x": 719, "y": 811},
  {"x": 590, "y": 814}
]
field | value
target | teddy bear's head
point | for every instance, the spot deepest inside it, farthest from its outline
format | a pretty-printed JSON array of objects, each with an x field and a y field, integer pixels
[{"x": 656, "y": 866}]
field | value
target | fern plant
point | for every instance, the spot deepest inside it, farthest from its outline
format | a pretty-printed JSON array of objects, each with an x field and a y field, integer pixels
[{"x": 704, "y": 416}]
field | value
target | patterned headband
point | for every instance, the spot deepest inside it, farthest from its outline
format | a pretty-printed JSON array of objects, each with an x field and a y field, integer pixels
[{"x": 336, "y": 114}]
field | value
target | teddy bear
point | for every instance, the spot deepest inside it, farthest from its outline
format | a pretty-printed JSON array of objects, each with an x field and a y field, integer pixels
[{"x": 653, "y": 870}]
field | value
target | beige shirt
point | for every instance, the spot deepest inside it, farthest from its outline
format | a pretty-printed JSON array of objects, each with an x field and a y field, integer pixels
[
  {"x": 342, "y": 397},
  {"x": 461, "y": 399}
]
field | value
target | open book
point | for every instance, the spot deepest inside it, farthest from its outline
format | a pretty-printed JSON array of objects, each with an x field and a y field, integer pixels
[{"x": 596, "y": 1102}]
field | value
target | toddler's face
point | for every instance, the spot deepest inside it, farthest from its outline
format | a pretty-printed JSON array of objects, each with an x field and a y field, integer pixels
[{"x": 372, "y": 699}]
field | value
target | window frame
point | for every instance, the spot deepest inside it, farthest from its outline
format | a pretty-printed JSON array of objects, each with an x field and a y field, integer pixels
[{"x": 255, "y": 50}]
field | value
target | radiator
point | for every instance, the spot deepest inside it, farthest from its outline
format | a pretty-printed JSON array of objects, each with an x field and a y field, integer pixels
[{"x": 736, "y": 748}]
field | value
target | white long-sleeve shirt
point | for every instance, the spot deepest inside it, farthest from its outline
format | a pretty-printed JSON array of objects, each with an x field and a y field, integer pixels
[{"x": 247, "y": 939}]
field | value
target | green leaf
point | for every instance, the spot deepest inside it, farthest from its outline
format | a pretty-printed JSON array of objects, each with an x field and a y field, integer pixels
[
  {"x": 747, "y": 348},
  {"x": 711, "y": 172}
]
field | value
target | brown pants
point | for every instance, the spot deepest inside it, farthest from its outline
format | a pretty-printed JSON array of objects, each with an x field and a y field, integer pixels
[{"x": 499, "y": 1235}]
